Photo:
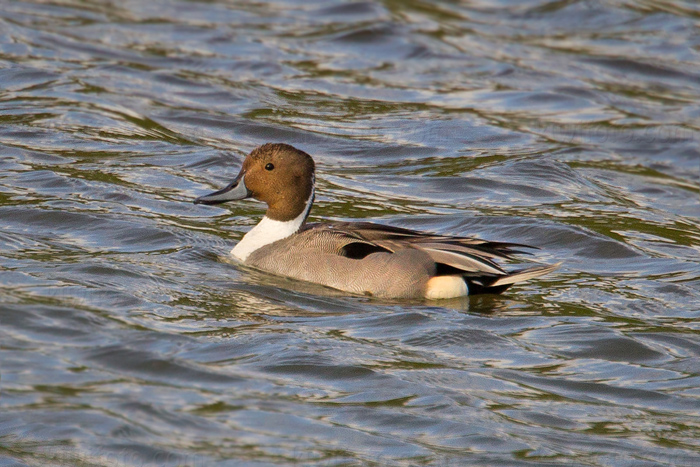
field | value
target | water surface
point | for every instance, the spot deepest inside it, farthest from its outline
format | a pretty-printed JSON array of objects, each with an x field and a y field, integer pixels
[{"x": 126, "y": 338}]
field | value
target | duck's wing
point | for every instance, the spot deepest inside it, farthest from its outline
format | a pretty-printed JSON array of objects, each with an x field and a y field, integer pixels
[
  {"x": 336, "y": 238},
  {"x": 463, "y": 254}
]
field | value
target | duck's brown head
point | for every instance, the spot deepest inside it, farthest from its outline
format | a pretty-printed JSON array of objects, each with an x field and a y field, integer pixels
[{"x": 277, "y": 174}]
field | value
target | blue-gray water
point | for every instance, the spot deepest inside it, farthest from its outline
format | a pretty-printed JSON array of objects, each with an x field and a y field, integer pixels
[{"x": 127, "y": 339}]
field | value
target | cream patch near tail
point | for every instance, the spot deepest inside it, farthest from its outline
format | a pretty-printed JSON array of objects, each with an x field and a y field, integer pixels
[{"x": 446, "y": 287}]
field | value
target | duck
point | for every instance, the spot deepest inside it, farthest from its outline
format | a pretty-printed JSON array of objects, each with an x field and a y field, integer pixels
[{"x": 360, "y": 257}]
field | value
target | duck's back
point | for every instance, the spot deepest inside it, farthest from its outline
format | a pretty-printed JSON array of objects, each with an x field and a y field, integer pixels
[
  {"x": 337, "y": 258},
  {"x": 392, "y": 262}
]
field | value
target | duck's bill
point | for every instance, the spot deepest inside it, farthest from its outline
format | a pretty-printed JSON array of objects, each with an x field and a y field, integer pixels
[{"x": 236, "y": 190}]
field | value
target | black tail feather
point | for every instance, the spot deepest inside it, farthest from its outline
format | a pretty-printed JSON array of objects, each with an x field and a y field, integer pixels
[
  {"x": 499, "y": 284},
  {"x": 476, "y": 288}
]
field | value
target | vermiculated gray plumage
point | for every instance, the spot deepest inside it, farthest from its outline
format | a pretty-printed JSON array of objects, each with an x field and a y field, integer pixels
[{"x": 385, "y": 261}]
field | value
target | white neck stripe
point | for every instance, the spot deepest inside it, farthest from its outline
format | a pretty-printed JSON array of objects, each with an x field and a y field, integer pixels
[{"x": 268, "y": 231}]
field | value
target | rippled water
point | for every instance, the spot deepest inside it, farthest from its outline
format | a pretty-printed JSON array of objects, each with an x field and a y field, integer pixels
[{"x": 127, "y": 339}]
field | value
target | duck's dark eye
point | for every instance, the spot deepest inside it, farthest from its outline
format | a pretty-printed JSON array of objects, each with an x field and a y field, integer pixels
[{"x": 269, "y": 167}]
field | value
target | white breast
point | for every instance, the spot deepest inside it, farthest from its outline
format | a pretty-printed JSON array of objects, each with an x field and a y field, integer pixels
[{"x": 268, "y": 231}]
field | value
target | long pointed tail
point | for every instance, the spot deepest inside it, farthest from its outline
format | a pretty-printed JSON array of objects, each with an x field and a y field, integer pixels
[{"x": 501, "y": 283}]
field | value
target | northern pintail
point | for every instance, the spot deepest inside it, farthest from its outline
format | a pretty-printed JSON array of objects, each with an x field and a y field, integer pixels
[{"x": 356, "y": 257}]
